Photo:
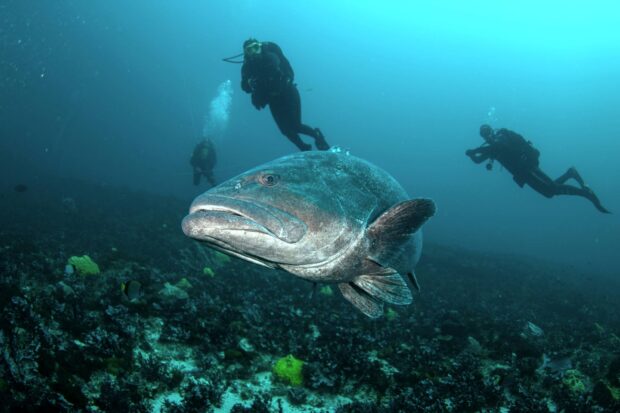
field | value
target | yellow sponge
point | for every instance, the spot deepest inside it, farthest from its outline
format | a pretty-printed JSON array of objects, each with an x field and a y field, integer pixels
[
  {"x": 288, "y": 369},
  {"x": 84, "y": 265}
]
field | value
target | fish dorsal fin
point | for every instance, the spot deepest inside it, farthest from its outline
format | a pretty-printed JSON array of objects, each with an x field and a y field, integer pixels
[
  {"x": 363, "y": 301},
  {"x": 401, "y": 220}
]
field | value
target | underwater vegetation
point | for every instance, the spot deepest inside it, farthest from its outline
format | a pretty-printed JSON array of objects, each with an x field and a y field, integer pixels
[{"x": 170, "y": 326}]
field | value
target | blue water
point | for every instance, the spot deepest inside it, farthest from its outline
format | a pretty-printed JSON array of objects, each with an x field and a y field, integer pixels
[{"x": 117, "y": 93}]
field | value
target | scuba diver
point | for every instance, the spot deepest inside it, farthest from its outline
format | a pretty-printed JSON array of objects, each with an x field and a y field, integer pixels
[
  {"x": 203, "y": 161},
  {"x": 268, "y": 76},
  {"x": 520, "y": 158}
]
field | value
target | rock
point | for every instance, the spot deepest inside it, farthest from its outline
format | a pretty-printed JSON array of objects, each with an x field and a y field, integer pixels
[{"x": 172, "y": 293}]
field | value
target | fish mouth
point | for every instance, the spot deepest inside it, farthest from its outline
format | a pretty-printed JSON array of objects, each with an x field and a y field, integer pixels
[{"x": 216, "y": 217}]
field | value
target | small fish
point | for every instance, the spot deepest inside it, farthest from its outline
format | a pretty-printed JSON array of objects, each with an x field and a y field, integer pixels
[
  {"x": 324, "y": 216},
  {"x": 131, "y": 289},
  {"x": 20, "y": 188}
]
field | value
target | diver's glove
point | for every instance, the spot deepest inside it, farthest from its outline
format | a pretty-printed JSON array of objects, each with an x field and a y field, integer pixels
[
  {"x": 247, "y": 84},
  {"x": 258, "y": 102}
]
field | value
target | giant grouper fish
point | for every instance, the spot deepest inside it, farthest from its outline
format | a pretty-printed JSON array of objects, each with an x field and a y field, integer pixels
[{"x": 327, "y": 217}]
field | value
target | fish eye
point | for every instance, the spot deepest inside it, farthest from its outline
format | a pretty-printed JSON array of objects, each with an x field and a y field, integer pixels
[{"x": 269, "y": 179}]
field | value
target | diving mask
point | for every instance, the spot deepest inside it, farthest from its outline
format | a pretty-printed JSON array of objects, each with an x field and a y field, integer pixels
[{"x": 252, "y": 48}]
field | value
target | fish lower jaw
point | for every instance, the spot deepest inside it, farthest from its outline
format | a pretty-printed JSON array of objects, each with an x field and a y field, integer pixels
[{"x": 249, "y": 258}]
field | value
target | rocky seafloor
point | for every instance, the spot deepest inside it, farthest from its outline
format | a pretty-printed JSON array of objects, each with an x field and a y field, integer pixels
[{"x": 202, "y": 333}]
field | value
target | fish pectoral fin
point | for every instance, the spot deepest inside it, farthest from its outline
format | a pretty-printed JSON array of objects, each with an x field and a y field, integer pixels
[
  {"x": 389, "y": 288},
  {"x": 371, "y": 266},
  {"x": 391, "y": 235},
  {"x": 362, "y": 300},
  {"x": 401, "y": 221}
]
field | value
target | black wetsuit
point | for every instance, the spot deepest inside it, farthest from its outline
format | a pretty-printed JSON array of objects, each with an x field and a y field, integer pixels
[
  {"x": 520, "y": 158},
  {"x": 269, "y": 77},
  {"x": 203, "y": 161}
]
